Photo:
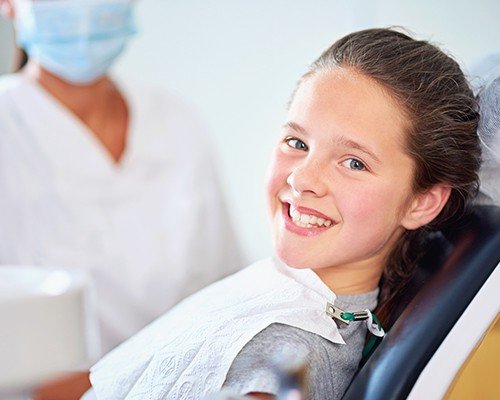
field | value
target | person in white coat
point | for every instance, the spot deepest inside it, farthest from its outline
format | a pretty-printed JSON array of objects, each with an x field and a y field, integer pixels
[{"x": 105, "y": 176}]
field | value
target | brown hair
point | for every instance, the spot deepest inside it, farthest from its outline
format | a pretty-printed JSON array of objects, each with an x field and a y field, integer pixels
[{"x": 441, "y": 139}]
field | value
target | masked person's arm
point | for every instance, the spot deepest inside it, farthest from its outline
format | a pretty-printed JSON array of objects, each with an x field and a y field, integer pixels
[{"x": 68, "y": 387}]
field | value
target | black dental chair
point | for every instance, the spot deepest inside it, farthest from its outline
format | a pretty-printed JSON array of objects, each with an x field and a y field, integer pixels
[{"x": 459, "y": 265}]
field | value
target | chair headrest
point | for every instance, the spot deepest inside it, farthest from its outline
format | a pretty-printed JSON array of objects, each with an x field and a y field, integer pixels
[{"x": 489, "y": 133}]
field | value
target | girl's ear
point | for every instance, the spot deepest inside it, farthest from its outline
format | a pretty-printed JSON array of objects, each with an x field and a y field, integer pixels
[
  {"x": 6, "y": 9},
  {"x": 426, "y": 206}
]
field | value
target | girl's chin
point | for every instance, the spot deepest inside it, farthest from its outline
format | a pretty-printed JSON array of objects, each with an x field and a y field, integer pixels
[{"x": 293, "y": 260}]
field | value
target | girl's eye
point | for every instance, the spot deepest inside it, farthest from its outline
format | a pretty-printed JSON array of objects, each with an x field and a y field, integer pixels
[
  {"x": 354, "y": 164},
  {"x": 295, "y": 143}
]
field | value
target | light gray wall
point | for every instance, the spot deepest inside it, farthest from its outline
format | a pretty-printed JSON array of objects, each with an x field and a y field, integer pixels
[{"x": 237, "y": 61}]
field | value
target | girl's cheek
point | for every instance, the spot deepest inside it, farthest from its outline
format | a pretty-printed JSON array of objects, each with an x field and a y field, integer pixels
[
  {"x": 277, "y": 173},
  {"x": 363, "y": 203},
  {"x": 370, "y": 202}
]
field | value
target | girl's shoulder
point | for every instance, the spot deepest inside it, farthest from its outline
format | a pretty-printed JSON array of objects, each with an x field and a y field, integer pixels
[{"x": 330, "y": 366}]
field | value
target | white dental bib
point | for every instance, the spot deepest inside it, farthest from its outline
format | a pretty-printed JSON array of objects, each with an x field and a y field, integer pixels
[{"x": 187, "y": 353}]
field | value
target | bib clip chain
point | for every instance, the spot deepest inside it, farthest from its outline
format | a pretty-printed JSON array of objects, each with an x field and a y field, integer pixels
[{"x": 372, "y": 322}]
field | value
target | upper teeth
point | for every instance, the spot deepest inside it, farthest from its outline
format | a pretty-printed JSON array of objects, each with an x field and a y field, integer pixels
[{"x": 306, "y": 220}]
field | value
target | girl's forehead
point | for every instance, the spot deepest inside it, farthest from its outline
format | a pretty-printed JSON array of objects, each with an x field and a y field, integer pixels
[
  {"x": 342, "y": 105},
  {"x": 346, "y": 87}
]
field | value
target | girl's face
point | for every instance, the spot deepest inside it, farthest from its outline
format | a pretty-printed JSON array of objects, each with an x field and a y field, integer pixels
[{"x": 340, "y": 181}]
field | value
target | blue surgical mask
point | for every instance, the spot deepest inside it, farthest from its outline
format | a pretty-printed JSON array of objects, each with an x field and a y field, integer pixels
[{"x": 77, "y": 40}]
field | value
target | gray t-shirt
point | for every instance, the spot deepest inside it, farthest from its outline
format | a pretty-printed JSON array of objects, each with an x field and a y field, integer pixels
[{"x": 331, "y": 366}]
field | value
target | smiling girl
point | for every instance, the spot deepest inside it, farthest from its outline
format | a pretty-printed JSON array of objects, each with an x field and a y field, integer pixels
[{"x": 378, "y": 149}]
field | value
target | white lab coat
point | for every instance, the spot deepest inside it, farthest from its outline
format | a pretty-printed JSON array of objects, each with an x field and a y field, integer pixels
[{"x": 148, "y": 231}]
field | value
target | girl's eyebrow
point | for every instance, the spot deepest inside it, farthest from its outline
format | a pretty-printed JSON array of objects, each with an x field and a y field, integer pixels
[
  {"x": 342, "y": 140},
  {"x": 346, "y": 142},
  {"x": 296, "y": 127}
]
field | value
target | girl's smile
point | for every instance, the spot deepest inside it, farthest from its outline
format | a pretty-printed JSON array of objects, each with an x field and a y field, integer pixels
[{"x": 305, "y": 221}]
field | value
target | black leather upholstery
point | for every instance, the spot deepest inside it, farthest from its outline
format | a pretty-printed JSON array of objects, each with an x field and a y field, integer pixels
[{"x": 456, "y": 265}]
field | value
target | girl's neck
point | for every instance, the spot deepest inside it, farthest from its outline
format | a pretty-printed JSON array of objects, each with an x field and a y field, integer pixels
[
  {"x": 359, "y": 276},
  {"x": 351, "y": 279}
]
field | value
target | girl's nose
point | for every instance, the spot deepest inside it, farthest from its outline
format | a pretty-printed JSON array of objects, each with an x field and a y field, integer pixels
[{"x": 308, "y": 178}]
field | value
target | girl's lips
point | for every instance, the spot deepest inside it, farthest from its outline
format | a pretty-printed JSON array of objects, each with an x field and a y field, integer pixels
[
  {"x": 308, "y": 232},
  {"x": 310, "y": 211}
]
